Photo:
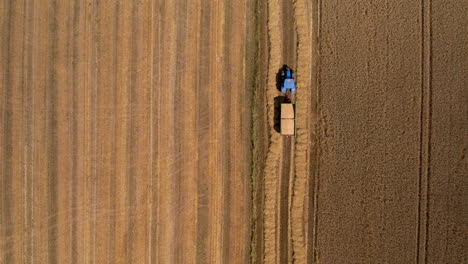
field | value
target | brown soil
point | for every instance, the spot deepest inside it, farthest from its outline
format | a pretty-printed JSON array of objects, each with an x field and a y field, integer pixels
[{"x": 125, "y": 131}]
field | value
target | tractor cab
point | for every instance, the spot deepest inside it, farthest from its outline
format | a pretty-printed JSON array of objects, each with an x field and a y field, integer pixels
[{"x": 288, "y": 81}]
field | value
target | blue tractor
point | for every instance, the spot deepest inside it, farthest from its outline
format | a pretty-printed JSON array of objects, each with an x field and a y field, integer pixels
[{"x": 288, "y": 84}]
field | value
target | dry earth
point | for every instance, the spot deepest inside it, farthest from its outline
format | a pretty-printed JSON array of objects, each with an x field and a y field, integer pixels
[{"x": 125, "y": 131}]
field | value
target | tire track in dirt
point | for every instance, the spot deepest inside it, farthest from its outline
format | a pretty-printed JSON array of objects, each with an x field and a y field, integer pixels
[
  {"x": 425, "y": 133},
  {"x": 284, "y": 201},
  {"x": 288, "y": 57},
  {"x": 28, "y": 100},
  {"x": 52, "y": 133},
  {"x": 313, "y": 159},
  {"x": 203, "y": 120}
]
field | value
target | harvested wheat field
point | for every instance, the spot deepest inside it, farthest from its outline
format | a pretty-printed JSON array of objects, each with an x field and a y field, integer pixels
[
  {"x": 146, "y": 132},
  {"x": 125, "y": 131}
]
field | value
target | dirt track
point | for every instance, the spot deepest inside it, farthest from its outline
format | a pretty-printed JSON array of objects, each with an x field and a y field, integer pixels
[
  {"x": 286, "y": 167},
  {"x": 125, "y": 131}
]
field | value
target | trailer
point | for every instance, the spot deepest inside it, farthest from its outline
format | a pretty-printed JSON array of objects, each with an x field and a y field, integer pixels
[
  {"x": 288, "y": 107},
  {"x": 288, "y": 119}
]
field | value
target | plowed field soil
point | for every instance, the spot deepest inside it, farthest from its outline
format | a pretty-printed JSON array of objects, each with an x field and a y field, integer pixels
[{"x": 125, "y": 131}]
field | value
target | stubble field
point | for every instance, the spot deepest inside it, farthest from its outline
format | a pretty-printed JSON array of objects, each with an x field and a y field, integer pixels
[{"x": 125, "y": 131}]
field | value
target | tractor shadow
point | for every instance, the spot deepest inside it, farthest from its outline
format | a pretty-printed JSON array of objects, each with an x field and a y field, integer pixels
[
  {"x": 278, "y": 100},
  {"x": 279, "y": 78}
]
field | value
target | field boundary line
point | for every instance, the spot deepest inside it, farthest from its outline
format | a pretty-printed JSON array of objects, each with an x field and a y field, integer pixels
[
  {"x": 315, "y": 130},
  {"x": 425, "y": 132},
  {"x": 150, "y": 193}
]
